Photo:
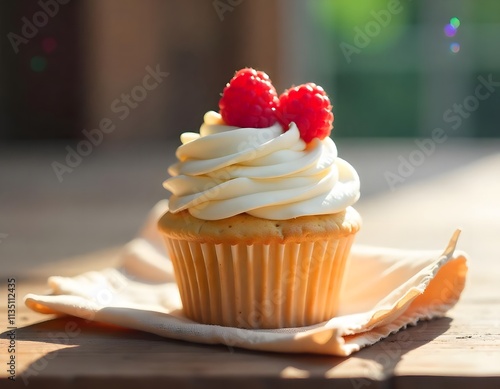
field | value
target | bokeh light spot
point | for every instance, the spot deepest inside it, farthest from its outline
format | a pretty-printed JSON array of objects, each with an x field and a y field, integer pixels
[
  {"x": 455, "y": 47},
  {"x": 49, "y": 44},
  {"x": 455, "y": 22},
  {"x": 38, "y": 64},
  {"x": 449, "y": 30}
]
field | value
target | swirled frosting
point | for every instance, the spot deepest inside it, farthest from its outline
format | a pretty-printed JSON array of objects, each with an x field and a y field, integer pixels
[{"x": 224, "y": 171}]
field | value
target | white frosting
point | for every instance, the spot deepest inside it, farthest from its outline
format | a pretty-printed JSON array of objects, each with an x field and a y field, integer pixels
[{"x": 224, "y": 171}]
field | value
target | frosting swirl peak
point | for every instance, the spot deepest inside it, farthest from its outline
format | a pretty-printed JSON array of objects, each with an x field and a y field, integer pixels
[{"x": 224, "y": 171}]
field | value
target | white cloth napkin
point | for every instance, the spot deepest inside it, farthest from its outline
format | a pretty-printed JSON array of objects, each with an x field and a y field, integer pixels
[{"x": 386, "y": 290}]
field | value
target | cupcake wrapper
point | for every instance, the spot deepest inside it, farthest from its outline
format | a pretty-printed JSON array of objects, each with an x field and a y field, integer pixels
[{"x": 260, "y": 285}]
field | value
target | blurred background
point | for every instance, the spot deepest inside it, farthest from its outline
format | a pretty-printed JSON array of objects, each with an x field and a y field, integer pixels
[
  {"x": 391, "y": 67},
  {"x": 140, "y": 72}
]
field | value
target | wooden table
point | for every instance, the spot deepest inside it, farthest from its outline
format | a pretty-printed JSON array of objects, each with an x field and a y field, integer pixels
[{"x": 66, "y": 228}]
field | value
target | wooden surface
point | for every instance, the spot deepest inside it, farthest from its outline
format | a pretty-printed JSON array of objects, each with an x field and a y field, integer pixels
[{"x": 66, "y": 228}]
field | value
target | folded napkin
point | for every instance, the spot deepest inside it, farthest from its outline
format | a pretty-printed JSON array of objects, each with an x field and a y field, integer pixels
[{"x": 385, "y": 291}]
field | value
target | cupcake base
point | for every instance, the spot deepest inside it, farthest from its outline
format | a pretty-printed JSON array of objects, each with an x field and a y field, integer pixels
[{"x": 288, "y": 282}]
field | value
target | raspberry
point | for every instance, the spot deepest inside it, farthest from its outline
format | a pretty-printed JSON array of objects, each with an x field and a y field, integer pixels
[
  {"x": 249, "y": 100},
  {"x": 308, "y": 106}
]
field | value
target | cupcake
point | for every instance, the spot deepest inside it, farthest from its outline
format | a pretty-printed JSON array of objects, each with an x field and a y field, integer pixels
[{"x": 260, "y": 220}]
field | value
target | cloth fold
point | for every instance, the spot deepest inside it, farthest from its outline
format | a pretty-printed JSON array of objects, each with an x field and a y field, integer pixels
[{"x": 385, "y": 291}]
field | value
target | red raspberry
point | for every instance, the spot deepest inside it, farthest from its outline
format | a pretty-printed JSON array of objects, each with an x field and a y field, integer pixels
[
  {"x": 249, "y": 100},
  {"x": 309, "y": 107}
]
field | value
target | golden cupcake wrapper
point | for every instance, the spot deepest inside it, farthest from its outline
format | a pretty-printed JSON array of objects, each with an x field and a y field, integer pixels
[{"x": 273, "y": 285}]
